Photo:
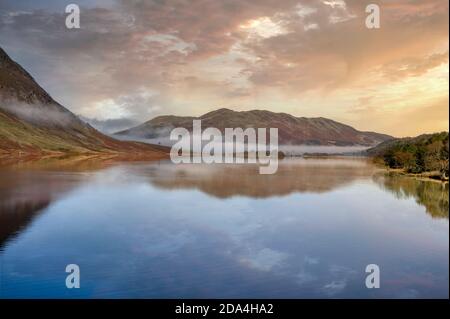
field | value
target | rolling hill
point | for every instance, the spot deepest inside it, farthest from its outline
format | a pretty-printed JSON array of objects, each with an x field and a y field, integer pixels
[
  {"x": 423, "y": 153},
  {"x": 291, "y": 130}
]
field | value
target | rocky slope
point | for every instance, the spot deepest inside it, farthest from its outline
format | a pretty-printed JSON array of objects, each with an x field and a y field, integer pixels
[{"x": 32, "y": 122}]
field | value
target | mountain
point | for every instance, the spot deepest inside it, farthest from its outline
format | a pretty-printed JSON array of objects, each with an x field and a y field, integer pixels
[
  {"x": 291, "y": 130},
  {"x": 32, "y": 122}
]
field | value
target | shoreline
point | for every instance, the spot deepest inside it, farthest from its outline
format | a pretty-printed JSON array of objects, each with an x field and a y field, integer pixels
[
  {"x": 426, "y": 176},
  {"x": 16, "y": 158},
  {"x": 434, "y": 176}
]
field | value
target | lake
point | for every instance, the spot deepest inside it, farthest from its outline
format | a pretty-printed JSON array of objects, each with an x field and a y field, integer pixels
[{"x": 159, "y": 230}]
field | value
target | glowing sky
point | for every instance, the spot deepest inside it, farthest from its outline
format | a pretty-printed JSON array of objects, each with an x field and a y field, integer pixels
[{"x": 133, "y": 60}]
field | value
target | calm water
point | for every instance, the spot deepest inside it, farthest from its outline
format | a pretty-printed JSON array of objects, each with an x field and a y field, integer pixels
[{"x": 156, "y": 230}]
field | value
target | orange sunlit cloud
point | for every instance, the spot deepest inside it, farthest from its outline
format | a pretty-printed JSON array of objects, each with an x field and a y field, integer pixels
[{"x": 136, "y": 60}]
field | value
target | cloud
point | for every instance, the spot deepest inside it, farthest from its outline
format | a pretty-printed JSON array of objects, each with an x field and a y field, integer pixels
[
  {"x": 413, "y": 66},
  {"x": 334, "y": 287},
  {"x": 134, "y": 105},
  {"x": 40, "y": 114},
  {"x": 338, "y": 54},
  {"x": 110, "y": 126},
  {"x": 309, "y": 57},
  {"x": 428, "y": 116},
  {"x": 265, "y": 259}
]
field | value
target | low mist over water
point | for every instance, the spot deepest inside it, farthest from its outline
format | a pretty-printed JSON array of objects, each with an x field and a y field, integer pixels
[{"x": 289, "y": 150}]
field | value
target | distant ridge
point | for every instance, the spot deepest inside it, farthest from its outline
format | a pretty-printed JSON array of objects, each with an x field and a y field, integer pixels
[{"x": 291, "y": 130}]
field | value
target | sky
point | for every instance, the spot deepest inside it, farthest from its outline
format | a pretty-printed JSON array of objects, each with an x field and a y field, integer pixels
[{"x": 132, "y": 60}]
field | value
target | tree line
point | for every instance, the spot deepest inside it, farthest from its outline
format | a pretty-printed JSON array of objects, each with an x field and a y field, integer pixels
[{"x": 425, "y": 153}]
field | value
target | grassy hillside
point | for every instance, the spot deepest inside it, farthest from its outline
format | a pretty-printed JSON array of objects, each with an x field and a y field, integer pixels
[
  {"x": 291, "y": 129},
  {"x": 424, "y": 153},
  {"x": 17, "y": 136},
  {"x": 33, "y": 123}
]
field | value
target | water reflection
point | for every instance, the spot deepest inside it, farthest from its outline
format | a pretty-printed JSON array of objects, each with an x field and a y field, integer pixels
[
  {"x": 155, "y": 230},
  {"x": 433, "y": 195},
  {"x": 293, "y": 175},
  {"x": 16, "y": 217},
  {"x": 24, "y": 194}
]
